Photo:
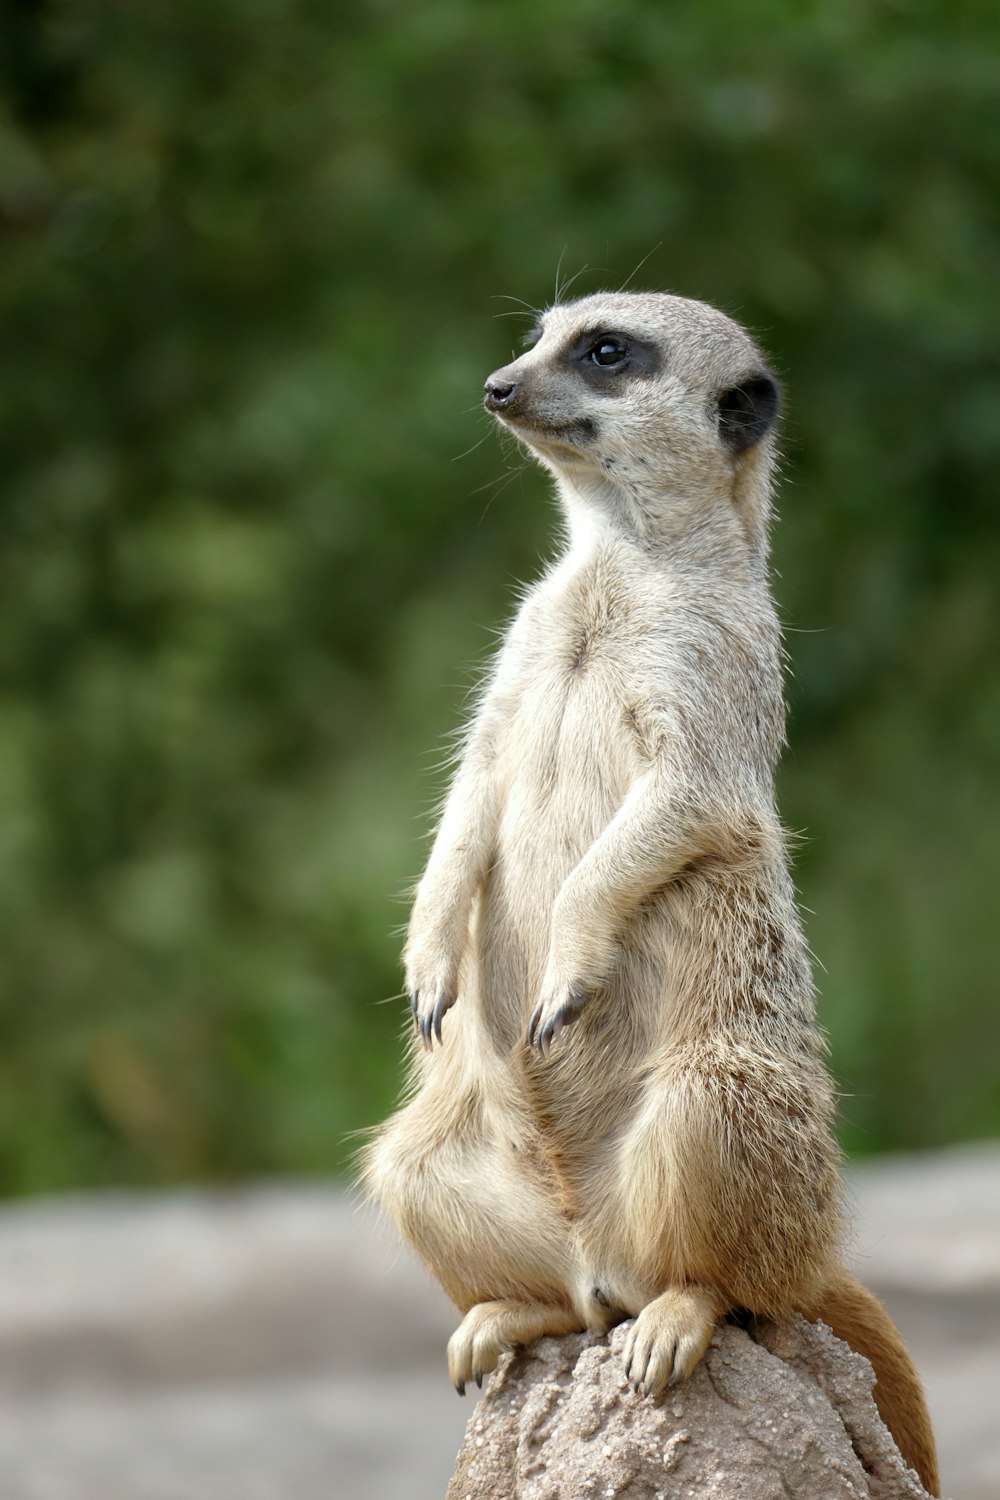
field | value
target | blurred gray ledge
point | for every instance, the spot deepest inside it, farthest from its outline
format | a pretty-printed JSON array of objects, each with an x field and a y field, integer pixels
[{"x": 276, "y": 1341}]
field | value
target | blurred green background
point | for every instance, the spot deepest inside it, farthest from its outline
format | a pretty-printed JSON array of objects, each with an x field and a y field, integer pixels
[{"x": 252, "y": 555}]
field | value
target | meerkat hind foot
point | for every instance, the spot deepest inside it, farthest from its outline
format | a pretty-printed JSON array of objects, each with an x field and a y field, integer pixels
[
  {"x": 491, "y": 1328},
  {"x": 669, "y": 1337}
]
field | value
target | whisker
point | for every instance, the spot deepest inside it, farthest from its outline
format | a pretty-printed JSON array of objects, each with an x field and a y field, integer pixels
[
  {"x": 498, "y": 486},
  {"x": 506, "y": 297},
  {"x": 502, "y": 480},
  {"x": 634, "y": 274},
  {"x": 562, "y": 256},
  {"x": 475, "y": 445},
  {"x": 575, "y": 278}
]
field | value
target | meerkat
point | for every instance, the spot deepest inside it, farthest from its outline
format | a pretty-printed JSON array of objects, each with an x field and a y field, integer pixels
[{"x": 620, "y": 1101}]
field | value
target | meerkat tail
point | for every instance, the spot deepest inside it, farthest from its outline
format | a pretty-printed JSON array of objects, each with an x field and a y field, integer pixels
[{"x": 857, "y": 1316}]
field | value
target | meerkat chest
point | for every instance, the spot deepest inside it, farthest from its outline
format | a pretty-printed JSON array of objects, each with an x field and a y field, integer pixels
[{"x": 577, "y": 666}]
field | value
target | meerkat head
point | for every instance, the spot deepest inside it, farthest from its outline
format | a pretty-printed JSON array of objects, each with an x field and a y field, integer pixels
[{"x": 649, "y": 406}]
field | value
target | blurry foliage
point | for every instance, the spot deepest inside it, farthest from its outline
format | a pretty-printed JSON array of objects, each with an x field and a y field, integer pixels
[{"x": 251, "y": 553}]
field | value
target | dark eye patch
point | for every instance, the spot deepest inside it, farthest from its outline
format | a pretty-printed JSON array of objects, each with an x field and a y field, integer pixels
[{"x": 641, "y": 356}]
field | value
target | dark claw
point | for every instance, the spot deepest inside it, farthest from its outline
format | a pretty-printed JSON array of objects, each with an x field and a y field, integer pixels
[
  {"x": 479, "y": 1379},
  {"x": 425, "y": 1032},
  {"x": 460, "y": 1386},
  {"x": 437, "y": 1018},
  {"x": 542, "y": 1037},
  {"x": 414, "y": 1002},
  {"x": 551, "y": 1030}
]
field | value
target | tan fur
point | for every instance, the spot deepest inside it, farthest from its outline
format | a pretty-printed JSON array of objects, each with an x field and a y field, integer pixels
[
  {"x": 859, "y": 1318},
  {"x": 610, "y": 859}
]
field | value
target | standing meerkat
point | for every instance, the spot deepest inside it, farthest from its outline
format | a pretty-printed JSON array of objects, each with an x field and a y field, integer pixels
[{"x": 621, "y": 1107}]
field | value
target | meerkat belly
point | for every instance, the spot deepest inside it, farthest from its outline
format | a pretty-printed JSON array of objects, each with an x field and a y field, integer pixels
[{"x": 565, "y": 767}]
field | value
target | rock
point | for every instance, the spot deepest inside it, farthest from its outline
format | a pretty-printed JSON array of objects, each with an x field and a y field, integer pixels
[{"x": 789, "y": 1416}]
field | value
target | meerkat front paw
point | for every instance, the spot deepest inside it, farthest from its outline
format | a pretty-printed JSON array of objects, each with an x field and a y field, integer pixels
[
  {"x": 432, "y": 985},
  {"x": 435, "y": 943},
  {"x": 668, "y": 1338},
  {"x": 430, "y": 1004},
  {"x": 581, "y": 956},
  {"x": 559, "y": 1007}
]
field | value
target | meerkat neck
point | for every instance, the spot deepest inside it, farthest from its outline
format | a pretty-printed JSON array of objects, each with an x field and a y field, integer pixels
[
  {"x": 685, "y": 535},
  {"x": 590, "y": 526}
]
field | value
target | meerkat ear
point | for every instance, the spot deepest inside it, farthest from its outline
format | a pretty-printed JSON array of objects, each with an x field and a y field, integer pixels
[{"x": 747, "y": 411}]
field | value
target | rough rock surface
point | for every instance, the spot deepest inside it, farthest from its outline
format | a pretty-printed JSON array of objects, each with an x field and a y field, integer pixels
[
  {"x": 276, "y": 1341},
  {"x": 789, "y": 1416}
]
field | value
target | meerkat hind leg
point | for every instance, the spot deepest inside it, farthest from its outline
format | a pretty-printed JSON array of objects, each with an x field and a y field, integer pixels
[
  {"x": 669, "y": 1337},
  {"x": 490, "y": 1328}
]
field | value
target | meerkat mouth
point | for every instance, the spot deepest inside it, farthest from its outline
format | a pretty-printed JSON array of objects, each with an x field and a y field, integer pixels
[{"x": 580, "y": 431}]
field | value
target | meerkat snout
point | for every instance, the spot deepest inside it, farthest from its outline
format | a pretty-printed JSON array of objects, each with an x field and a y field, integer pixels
[{"x": 500, "y": 393}]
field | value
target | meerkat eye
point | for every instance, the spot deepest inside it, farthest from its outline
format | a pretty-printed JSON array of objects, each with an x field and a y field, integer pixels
[{"x": 608, "y": 351}]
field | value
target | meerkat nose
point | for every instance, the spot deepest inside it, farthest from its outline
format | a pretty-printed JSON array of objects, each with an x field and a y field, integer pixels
[{"x": 500, "y": 394}]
